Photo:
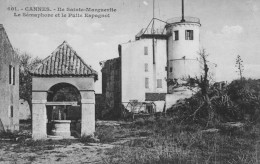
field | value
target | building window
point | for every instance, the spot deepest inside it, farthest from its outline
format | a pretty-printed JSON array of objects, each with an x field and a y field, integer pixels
[
  {"x": 146, "y": 67},
  {"x": 189, "y": 34},
  {"x": 176, "y": 35},
  {"x": 11, "y": 112},
  {"x": 159, "y": 83},
  {"x": 145, "y": 50},
  {"x": 146, "y": 82},
  {"x": 170, "y": 69},
  {"x": 11, "y": 75}
]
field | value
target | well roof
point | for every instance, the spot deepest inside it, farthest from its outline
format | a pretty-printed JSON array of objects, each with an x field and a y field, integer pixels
[{"x": 64, "y": 61}]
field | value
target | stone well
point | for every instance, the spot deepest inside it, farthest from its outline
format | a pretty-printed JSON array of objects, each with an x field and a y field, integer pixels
[{"x": 61, "y": 128}]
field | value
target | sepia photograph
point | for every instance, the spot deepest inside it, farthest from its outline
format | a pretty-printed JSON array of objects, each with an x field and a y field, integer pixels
[{"x": 130, "y": 81}]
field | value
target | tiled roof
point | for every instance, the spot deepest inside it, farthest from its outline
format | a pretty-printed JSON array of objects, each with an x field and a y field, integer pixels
[
  {"x": 64, "y": 61},
  {"x": 155, "y": 96}
]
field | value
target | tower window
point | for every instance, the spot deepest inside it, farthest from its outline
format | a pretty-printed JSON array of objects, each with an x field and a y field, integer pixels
[
  {"x": 145, "y": 50},
  {"x": 11, "y": 75},
  {"x": 146, "y": 82},
  {"x": 170, "y": 69},
  {"x": 146, "y": 67},
  {"x": 159, "y": 83},
  {"x": 176, "y": 35},
  {"x": 189, "y": 34}
]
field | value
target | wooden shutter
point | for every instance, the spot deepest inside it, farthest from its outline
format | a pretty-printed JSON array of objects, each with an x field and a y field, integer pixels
[
  {"x": 10, "y": 74},
  {"x": 13, "y": 75}
]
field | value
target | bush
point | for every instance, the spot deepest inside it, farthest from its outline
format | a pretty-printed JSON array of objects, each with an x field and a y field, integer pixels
[
  {"x": 8, "y": 134},
  {"x": 139, "y": 122},
  {"x": 105, "y": 134},
  {"x": 88, "y": 139},
  {"x": 238, "y": 101}
]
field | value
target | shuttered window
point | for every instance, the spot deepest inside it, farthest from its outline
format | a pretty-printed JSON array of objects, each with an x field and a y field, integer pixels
[
  {"x": 176, "y": 35},
  {"x": 189, "y": 34},
  {"x": 11, "y": 112},
  {"x": 146, "y": 82},
  {"x": 11, "y": 75},
  {"x": 159, "y": 83},
  {"x": 145, "y": 50},
  {"x": 146, "y": 67}
]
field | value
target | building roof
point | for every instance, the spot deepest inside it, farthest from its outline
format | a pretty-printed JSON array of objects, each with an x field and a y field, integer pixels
[
  {"x": 64, "y": 61},
  {"x": 4, "y": 37}
]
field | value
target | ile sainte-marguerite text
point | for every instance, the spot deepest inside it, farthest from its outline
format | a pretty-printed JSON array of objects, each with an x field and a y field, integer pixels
[
  {"x": 98, "y": 10},
  {"x": 39, "y": 12}
]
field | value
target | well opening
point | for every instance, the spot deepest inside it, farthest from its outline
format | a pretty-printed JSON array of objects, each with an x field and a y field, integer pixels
[{"x": 63, "y": 110}]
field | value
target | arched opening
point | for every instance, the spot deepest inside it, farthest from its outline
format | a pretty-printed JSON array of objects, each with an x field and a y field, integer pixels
[
  {"x": 63, "y": 110},
  {"x": 63, "y": 92}
]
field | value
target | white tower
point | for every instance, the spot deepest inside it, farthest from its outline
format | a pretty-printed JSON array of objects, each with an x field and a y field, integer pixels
[{"x": 183, "y": 46}]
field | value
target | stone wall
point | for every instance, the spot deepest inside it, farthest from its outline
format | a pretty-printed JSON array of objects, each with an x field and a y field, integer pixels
[
  {"x": 111, "y": 88},
  {"x": 9, "y": 88},
  {"x": 100, "y": 105}
]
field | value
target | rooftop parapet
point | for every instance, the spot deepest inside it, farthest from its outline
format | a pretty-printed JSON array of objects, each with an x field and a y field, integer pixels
[
  {"x": 148, "y": 32},
  {"x": 186, "y": 20}
]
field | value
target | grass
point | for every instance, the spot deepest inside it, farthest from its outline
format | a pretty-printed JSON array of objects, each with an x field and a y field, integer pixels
[
  {"x": 106, "y": 134},
  {"x": 22, "y": 142},
  {"x": 168, "y": 142},
  {"x": 31, "y": 158},
  {"x": 159, "y": 140}
]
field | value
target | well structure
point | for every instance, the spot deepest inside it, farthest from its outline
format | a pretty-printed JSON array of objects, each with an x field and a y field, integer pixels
[{"x": 63, "y": 71}]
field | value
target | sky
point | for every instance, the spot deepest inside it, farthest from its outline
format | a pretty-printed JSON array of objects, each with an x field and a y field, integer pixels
[{"x": 229, "y": 28}]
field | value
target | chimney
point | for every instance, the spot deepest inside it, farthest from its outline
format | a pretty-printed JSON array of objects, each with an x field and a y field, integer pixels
[{"x": 182, "y": 18}]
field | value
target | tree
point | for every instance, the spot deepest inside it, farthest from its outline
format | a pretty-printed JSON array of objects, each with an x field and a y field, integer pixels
[
  {"x": 240, "y": 67},
  {"x": 203, "y": 83},
  {"x": 27, "y": 63}
]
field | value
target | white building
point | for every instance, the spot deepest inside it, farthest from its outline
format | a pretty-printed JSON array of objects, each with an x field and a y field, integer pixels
[
  {"x": 146, "y": 64},
  {"x": 143, "y": 64},
  {"x": 183, "y": 47}
]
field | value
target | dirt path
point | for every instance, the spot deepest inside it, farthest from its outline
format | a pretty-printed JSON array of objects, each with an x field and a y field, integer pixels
[{"x": 74, "y": 153}]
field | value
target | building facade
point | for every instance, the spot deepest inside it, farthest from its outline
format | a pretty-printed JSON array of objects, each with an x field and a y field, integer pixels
[
  {"x": 9, "y": 84},
  {"x": 154, "y": 58},
  {"x": 143, "y": 68}
]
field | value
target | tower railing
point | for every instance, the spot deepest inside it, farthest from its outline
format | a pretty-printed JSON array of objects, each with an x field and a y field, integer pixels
[
  {"x": 187, "y": 19},
  {"x": 150, "y": 31}
]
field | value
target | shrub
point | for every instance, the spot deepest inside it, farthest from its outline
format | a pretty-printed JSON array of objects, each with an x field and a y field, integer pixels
[
  {"x": 88, "y": 139},
  {"x": 139, "y": 122},
  {"x": 238, "y": 101},
  {"x": 8, "y": 134},
  {"x": 105, "y": 134}
]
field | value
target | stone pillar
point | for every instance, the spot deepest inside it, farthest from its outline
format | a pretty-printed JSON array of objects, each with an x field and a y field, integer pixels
[
  {"x": 39, "y": 116},
  {"x": 87, "y": 113}
]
